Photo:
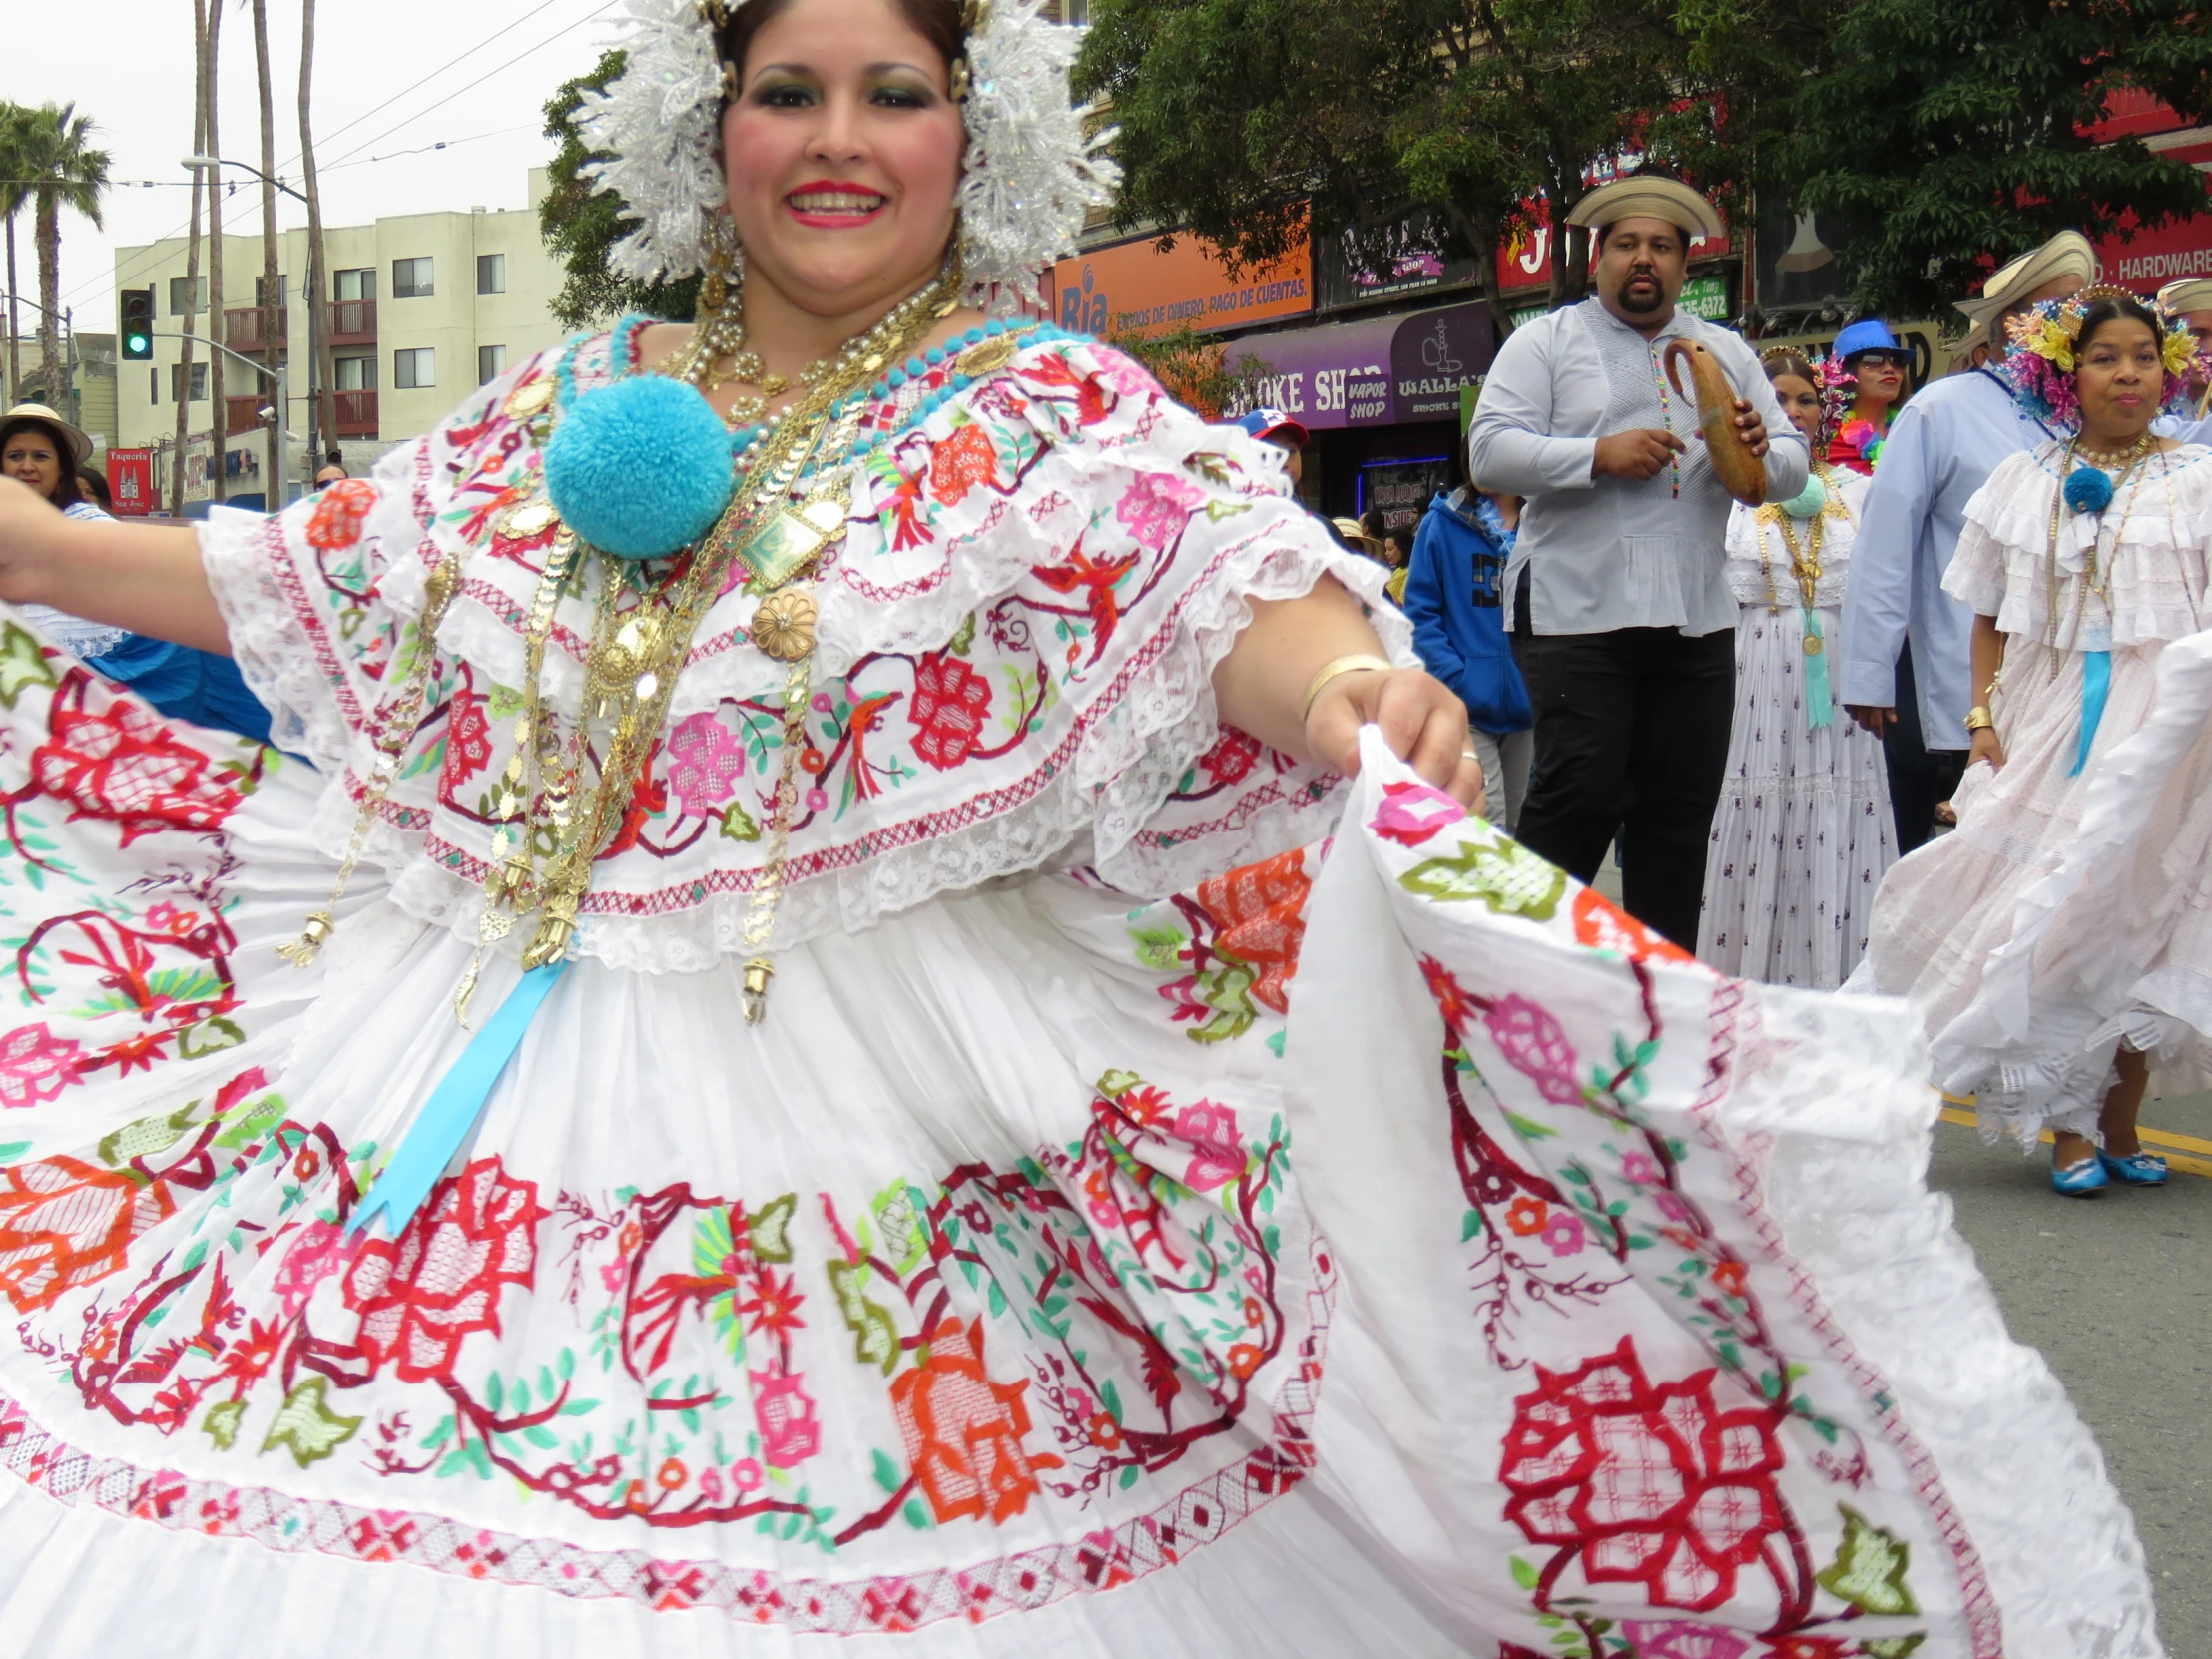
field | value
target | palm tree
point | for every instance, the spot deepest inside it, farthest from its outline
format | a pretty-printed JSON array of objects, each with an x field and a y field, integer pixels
[
  {"x": 14, "y": 121},
  {"x": 323, "y": 420},
  {"x": 272, "y": 278},
  {"x": 66, "y": 171},
  {"x": 218, "y": 402}
]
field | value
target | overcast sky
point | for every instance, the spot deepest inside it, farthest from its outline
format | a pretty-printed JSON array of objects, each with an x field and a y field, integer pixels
[{"x": 487, "y": 67}]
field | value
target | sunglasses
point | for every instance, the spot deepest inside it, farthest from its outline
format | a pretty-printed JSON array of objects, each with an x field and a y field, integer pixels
[{"x": 1883, "y": 360}]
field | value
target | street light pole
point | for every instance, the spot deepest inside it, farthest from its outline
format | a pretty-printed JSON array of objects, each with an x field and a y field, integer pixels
[
  {"x": 66, "y": 318},
  {"x": 313, "y": 296},
  {"x": 283, "y": 418}
]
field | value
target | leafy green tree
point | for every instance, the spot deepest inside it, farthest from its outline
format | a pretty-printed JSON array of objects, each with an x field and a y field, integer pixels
[
  {"x": 1443, "y": 114},
  {"x": 1197, "y": 371},
  {"x": 53, "y": 145},
  {"x": 1949, "y": 134},
  {"x": 581, "y": 225}
]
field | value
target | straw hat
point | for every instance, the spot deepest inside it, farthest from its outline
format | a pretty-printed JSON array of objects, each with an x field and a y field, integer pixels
[
  {"x": 1355, "y": 538},
  {"x": 2067, "y": 255},
  {"x": 2191, "y": 294},
  {"x": 79, "y": 445},
  {"x": 1648, "y": 196}
]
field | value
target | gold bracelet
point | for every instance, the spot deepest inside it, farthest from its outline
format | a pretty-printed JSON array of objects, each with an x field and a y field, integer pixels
[
  {"x": 1978, "y": 719},
  {"x": 1361, "y": 663}
]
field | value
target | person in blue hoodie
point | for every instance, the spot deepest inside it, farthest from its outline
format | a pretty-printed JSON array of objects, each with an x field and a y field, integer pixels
[{"x": 1455, "y": 593}]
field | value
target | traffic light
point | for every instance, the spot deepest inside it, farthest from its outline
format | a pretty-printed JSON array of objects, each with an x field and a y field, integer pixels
[{"x": 137, "y": 325}]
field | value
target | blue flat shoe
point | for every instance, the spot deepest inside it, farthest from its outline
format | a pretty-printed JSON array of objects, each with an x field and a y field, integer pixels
[
  {"x": 2137, "y": 1169},
  {"x": 2081, "y": 1180}
]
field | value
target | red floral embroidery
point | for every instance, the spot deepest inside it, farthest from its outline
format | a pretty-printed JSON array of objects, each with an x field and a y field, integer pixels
[
  {"x": 338, "y": 516},
  {"x": 64, "y": 1223},
  {"x": 1260, "y": 914},
  {"x": 1601, "y": 923},
  {"x": 1648, "y": 1483},
  {"x": 961, "y": 462},
  {"x": 467, "y": 738},
  {"x": 1535, "y": 1045},
  {"x": 951, "y": 701},
  {"x": 1232, "y": 758},
  {"x": 36, "y": 1065},
  {"x": 123, "y": 763},
  {"x": 421, "y": 1295},
  {"x": 963, "y": 1431}
]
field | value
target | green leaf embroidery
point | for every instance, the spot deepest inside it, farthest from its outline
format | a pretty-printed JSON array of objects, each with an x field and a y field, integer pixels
[
  {"x": 220, "y": 1425},
  {"x": 738, "y": 825},
  {"x": 1893, "y": 1647},
  {"x": 1525, "y": 1572},
  {"x": 10, "y": 1150},
  {"x": 22, "y": 663},
  {"x": 874, "y": 1333},
  {"x": 1507, "y": 878},
  {"x": 1870, "y": 1567},
  {"x": 245, "y": 1128},
  {"x": 309, "y": 1427},
  {"x": 916, "y": 1517},
  {"x": 1159, "y": 948},
  {"x": 963, "y": 637},
  {"x": 210, "y": 1036},
  {"x": 886, "y": 1472},
  {"x": 145, "y": 1136},
  {"x": 770, "y": 1227}
]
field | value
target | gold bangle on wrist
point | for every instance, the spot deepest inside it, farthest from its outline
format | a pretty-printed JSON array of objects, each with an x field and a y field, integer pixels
[
  {"x": 1978, "y": 719},
  {"x": 1361, "y": 663}
]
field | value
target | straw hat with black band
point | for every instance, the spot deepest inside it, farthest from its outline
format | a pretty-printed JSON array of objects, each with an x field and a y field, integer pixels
[
  {"x": 1648, "y": 196},
  {"x": 2067, "y": 256}
]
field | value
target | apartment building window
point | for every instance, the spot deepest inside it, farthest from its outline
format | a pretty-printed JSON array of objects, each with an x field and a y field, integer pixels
[
  {"x": 262, "y": 295},
  {"x": 357, "y": 285},
  {"x": 178, "y": 287},
  {"x": 411, "y": 279},
  {"x": 357, "y": 373},
  {"x": 199, "y": 382},
  {"x": 491, "y": 273},
  {"x": 491, "y": 362},
  {"x": 415, "y": 368}
]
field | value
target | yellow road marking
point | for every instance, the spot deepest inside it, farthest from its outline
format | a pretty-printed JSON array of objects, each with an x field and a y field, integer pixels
[{"x": 2177, "y": 1148}]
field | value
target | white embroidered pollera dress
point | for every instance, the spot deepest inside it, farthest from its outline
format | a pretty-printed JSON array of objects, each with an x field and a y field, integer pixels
[
  {"x": 2070, "y": 913},
  {"x": 1126, "y": 1233},
  {"x": 1802, "y": 834}
]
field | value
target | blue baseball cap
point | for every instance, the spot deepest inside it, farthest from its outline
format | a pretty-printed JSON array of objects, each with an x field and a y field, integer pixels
[
  {"x": 1274, "y": 423},
  {"x": 1868, "y": 334}
]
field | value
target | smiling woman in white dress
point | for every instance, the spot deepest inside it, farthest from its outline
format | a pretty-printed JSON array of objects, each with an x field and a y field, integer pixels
[{"x": 1802, "y": 834}]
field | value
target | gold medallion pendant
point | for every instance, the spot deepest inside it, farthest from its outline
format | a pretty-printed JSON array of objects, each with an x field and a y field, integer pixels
[
  {"x": 784, "y": 546},
  {"x": 1814, "y": 645},
  {"x": 531, "y": 401},
  {"x": 530, "y": 518},
  {"x": 783, "y": 626}
]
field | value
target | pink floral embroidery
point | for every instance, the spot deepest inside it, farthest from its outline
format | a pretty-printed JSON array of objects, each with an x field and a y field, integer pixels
[
  {"x": 36, "y": 1065},
  {"x": 1683, "y": 1639},
  {"x": 1648, "y": 1483},
  {"x": 1412, "y": 812},
  {"x": 1565, "y": 1234},
  {"x": 1212, "y": 1132},
  {"x": 1157, "y": 506},
  {"x": 1637, "y": 1167},
  {"x": 786, "y": 1416},
  {"x": 314, "y": 1254},
  {"x": 705, "y": 759},
  {"x": 1535, "y": 1047}
]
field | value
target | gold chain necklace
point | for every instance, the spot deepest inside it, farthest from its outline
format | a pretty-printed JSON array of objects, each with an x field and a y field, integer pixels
[
  {"x": 1805, "y": 563},
  {"x": 2094, "y": 578}
]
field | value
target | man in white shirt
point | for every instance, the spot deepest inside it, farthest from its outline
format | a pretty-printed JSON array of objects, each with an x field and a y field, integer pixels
[
  {"x": 1623, "y": 624},
  {"x": 1941, "y": 448}
]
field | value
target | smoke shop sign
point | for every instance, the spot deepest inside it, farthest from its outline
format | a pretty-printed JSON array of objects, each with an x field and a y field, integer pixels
[
  {"x": 1134, "y": 288},
  {"x": 1379, "y": 371}
]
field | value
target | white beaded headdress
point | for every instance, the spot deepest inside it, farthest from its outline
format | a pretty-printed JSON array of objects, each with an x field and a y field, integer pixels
[{"x": 1030, "y": 173}]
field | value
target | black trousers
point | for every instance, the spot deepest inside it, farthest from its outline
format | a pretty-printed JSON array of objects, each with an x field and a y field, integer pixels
[
  {"x": 1919, "y": 777},
  {"x": 1631, "y": 743}
]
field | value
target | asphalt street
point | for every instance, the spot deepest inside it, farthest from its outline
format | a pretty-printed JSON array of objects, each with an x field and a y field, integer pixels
[{"x": 2114, "y": 1290}]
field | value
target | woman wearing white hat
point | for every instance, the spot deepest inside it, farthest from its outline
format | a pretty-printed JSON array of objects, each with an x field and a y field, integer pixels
[{"x": 41, "y": 450}]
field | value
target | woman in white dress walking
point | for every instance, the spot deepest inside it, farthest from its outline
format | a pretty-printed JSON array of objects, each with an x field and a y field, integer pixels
[{"x": 1802, "y": 834}]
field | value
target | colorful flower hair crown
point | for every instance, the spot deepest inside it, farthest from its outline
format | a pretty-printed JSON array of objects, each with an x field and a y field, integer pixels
[
  {"x": 1029, "y": 175},
  {"x": 2041, "y": 368}
]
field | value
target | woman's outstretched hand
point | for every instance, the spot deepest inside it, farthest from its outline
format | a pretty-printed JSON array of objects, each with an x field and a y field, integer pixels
[
  {"x": 1422, "y": 718},
  {"x": 29, "y": 526}
]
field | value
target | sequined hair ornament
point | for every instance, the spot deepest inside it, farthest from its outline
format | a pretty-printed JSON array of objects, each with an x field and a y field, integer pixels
[
  {"x": 2040, "y": 367},
  {"x": 1029, "y": 175}
]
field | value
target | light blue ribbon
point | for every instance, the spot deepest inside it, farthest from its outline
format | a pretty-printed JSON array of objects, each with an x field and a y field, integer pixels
[
  {"x": 1820, "y": 701},
  {"x": 428, "y": 1143},
  {"x": 2096, "y": 684}
]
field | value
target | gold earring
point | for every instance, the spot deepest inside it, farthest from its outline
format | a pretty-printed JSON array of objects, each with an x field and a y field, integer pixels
[
  {"x": 722, "y": 243},
  {"x": 959, "y": 79}
]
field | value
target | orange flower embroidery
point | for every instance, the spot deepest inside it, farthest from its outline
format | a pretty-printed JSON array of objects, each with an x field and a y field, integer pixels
[
  {"x": 961, "y": 462},
  {"x": 1261, "y": 913},
  {"x": 963, "y": 1431},
  {"x": 1599, "y": 922},
  {"x": 341, "y": 512},
  {"x": 64, "y": 1223}
]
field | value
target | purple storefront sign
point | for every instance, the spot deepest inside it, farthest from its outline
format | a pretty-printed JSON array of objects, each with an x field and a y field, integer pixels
[{"x": 1376, "y": 372}]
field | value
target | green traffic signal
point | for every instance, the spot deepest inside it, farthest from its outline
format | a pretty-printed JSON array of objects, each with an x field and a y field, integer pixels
[{"x": 137, "y": 306}]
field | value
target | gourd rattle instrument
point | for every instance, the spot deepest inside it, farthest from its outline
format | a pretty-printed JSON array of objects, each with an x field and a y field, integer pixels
[{"x": 1741, "y": 474}]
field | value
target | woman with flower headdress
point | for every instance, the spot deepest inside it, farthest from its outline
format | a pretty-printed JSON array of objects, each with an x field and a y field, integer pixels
[
  {"x": 1802, "y": 834},
  {"x": 2057, "y": 944},
  {"x": 1864, "y": 379},
  {"x": 790, "y": 1133}
]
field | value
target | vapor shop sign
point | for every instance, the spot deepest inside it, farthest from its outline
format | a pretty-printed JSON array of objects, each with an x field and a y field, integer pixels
[
  {"x": 1135, "y": 287},
  {"x": 1380, "y": 371}
]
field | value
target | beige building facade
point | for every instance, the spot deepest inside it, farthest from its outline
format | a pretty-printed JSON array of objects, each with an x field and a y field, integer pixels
[{"x": 426, "y": 308}]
